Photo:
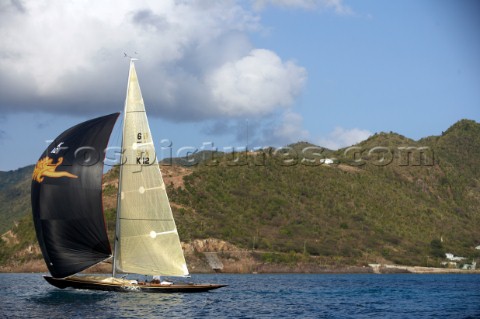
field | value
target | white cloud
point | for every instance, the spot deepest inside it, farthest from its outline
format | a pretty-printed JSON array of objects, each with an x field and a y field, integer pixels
[
  {"x": 289, "y": 130},
  {"x": 305, "y": 4},
  {"x": 341, "y": 137},
  {"x": 336, "y": 5},
  {"x": 256, "y": 84},
  {"x": 67, "y": 57}
]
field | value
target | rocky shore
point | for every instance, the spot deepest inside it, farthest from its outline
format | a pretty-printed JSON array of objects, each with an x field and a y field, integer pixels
[{"x": 213, "y": 255}]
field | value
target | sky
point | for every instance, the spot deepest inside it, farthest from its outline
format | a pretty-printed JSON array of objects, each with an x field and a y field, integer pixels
[{"x": 235, "y": 73}]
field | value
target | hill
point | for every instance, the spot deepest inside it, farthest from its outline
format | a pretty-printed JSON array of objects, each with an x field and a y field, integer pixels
[
  {"x": 386, "y": 199},
  {"x": 14, "y": 196}
]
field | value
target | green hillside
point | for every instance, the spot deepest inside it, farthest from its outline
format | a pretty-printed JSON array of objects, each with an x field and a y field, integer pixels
[
  {"x": 389, "y": 198},
  {"x": 362, "y": 211},
  {"x": 14, "y": 196}
]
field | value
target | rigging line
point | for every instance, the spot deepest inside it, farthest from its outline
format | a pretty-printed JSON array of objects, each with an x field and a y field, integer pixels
[
  {"x": 141, "y": 146},
  {"x": 146, "y": 189},
  {"x": 148, "y": 219},
  {"x": 155, "y": 234}
]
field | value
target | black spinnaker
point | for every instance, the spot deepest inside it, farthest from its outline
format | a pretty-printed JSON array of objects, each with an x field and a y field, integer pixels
[{"x": 67, "y": 198}]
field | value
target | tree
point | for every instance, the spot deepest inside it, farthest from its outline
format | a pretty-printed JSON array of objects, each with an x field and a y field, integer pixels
[{"x": 436, "y": 248}]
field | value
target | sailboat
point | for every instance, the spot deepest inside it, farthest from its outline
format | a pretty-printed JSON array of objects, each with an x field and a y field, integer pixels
[{"x": 67, "y": 207}]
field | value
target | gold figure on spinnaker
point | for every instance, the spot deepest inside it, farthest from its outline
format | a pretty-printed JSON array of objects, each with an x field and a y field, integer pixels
[{"x": 45, "y": 167}]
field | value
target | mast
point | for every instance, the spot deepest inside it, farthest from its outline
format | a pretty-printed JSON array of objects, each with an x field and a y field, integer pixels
[{"x": 119, "y": 191}]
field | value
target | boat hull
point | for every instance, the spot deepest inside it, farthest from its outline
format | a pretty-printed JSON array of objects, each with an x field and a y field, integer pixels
[{"x": 77, "y": 283}]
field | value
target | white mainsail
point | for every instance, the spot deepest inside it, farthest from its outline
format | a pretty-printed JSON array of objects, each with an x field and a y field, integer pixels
[{"x": 147, "y": 240}]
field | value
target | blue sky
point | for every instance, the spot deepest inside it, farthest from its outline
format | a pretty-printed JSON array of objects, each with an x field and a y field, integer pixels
[{"x": 331, "y": 72}]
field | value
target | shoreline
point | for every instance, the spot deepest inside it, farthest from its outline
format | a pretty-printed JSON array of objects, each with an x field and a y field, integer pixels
[
  {"x": 470, "y": 272},
  {"x": 37, "y": 266}
]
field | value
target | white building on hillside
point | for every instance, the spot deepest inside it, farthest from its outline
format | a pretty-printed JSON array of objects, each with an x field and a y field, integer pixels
[{"x": 453, "y": 258}]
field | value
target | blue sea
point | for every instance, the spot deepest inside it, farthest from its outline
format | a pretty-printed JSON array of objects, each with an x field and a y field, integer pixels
[{"x": 256, "y": 296}]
